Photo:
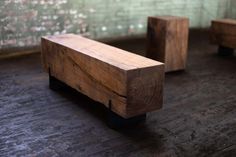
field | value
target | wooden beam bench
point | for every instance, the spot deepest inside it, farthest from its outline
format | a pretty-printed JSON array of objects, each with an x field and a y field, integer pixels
[
  {"x": 167, "y": 41},
  {"x": 223, "y": 34},
  {"x": 128, "y": 84}
]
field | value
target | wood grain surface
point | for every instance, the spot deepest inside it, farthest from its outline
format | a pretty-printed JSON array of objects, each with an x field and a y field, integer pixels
[
  {"x": 197, "y": 118},
  {"x": 131, "y": 83},
  {"x": 167, "y": 41},
  {"x": 223, "y": 32}
]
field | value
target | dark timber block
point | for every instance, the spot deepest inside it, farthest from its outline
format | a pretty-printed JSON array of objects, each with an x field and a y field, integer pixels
[
  {"x": 223, "y": 34},
  {"x": 225, "y": 51},
  {"x": 115, "y": 121}
]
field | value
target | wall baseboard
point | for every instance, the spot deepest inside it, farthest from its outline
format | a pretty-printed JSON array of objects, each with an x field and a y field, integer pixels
[{"x": 18, "y": 53}]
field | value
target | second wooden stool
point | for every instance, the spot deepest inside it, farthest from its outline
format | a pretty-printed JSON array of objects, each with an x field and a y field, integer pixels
[{"x": 167, "y": 41}]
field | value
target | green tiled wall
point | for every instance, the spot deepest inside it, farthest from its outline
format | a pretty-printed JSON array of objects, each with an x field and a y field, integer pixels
[{"x": 23, "y": 22}]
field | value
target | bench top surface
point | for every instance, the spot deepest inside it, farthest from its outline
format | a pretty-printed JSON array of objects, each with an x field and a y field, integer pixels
[
  {"x": 111, "y": 55},
  {"x": 226, "y": 21}
]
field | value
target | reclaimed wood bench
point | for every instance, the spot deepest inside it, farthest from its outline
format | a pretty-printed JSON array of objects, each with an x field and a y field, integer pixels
[
  {"x": 128, "y": 84},
  {"x": 223, "y": 34},
  {"x": 167, "y": 41}
]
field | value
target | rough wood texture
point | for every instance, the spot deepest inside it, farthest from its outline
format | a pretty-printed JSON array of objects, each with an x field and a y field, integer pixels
[
  {"x": 223, "y": 33},
  {"x": 197, "y": 119},
  {"x": 131, "y": 83},
  {"x": 167, "y": 41}
]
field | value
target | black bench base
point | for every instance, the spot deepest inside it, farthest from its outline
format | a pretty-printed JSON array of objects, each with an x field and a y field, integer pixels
[
  {"x": 113, "y": 120},
  {"x": 56, "y": 84},
  {"x": 225, "y": 51}
]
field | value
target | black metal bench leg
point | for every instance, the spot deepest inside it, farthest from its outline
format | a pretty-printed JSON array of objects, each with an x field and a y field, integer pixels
[
  {"x": 115, "y": 121},
  {"x": 225, "y": 51},
  {"x": 56, "y": 84}
]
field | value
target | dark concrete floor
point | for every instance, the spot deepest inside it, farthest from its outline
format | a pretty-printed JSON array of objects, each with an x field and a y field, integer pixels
[{"x": 198, "y": 118}]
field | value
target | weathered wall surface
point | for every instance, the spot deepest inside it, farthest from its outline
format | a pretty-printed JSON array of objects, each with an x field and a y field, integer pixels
[
  {"x": 232, "y": 9},
  {"x": 23, "y": 22}
]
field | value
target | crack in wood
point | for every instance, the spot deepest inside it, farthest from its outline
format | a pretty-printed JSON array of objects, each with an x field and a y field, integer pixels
[{"x": 95, "y": 80}]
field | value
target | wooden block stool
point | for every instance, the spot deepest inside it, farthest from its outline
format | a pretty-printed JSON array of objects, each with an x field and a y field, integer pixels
[
  {"x": 167, "y": 41},
  {"x": 129, "y": 85},
  {"x": 223, "y": 34}
]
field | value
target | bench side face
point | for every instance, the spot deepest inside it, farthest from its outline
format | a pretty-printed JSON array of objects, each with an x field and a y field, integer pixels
[
  {"x": 104, "y": 82},
  {"x": 223, "y": 34},
  {"x": 145, "y": 90},
  {"x": 156, "y": 33},
  {"x": 176, "y": 44}
]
